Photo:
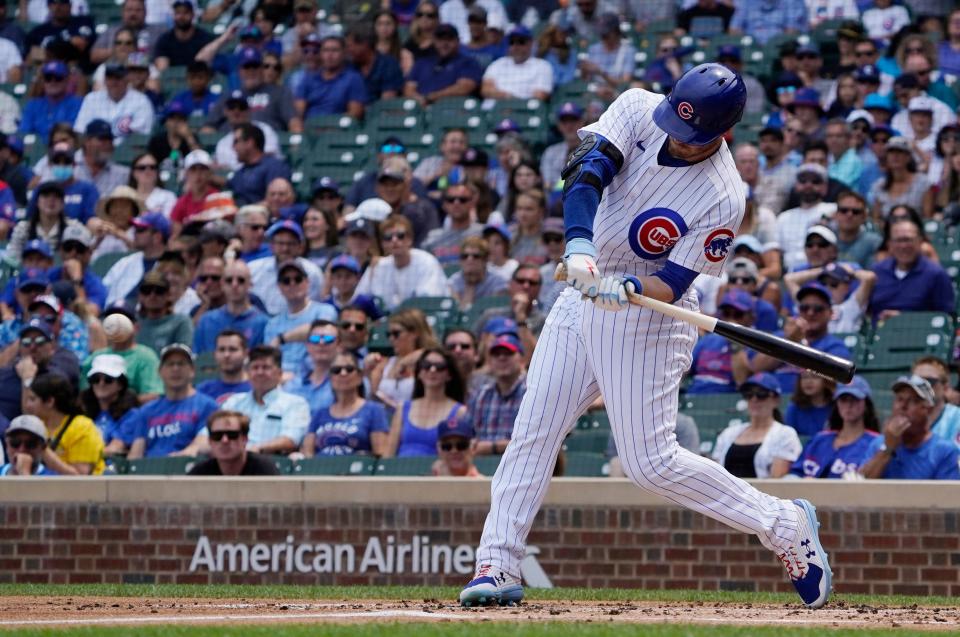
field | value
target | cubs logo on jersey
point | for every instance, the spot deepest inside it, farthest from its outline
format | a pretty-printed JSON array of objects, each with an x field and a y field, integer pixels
[
  {"x": 654, "y": 232},
  {"x": 717, "y": 244}
]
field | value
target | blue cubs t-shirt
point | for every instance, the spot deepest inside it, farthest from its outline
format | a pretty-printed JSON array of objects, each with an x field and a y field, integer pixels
[
  {"x": 220, "y": 391},
  {"x": 936, "y": 459},
  {"x": 712, "y": 368},
  {"x": 125, "y": 428},
  {"x": 807, "y": 420},
  {"x": 171, "y": 425},
  {"x": 350, "y": 435},
  {"x": 820, "y": 460}
]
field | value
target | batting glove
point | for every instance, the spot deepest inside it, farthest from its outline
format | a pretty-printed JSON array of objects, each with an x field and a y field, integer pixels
[
  {"x": 582, "y": 271},
  {"x": 613, "y": 292}
]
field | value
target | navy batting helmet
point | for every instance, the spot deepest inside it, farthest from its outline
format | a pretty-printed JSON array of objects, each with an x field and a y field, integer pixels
[{"x": 705, "y": 103}]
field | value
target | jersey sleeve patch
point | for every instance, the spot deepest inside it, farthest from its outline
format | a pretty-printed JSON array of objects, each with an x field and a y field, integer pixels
[
  {"x": 717, "y": 243},
  {"x": 654, "y": 232}
]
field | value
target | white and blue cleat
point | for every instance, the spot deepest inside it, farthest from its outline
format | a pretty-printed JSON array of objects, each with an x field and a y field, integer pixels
[
  {"x": 492, "y": 586},
  {"x": 807, "y": 563}
]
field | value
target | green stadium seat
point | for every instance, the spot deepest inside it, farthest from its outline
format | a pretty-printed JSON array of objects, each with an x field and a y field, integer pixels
[
  {"x": 320, "y": 124},
  {"x": 412, "y": 466},
  {"x": 283, "y": 464},
  {"x": 901, "y": 339},
  {"x": 587, "y": 441},
  {"x": 102, "y": 264},
  {"x": 378, "y": 341},
  {"x": 596, "y": 419},
  {"x": 168, "y": 466},
  {"x": 487, "y": 465},
  {"x": 442, "y": 309},
  {"x": 713, "y": 413},
  {"x": 206, "y": 367},
  {"x": 586, "y": 465},
  {"x": 335, "y": 466},
  {"x": 856, "y": 343}
]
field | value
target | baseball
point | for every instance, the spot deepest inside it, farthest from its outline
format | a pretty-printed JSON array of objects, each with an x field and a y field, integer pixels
[{"x": 117, "y": 327}]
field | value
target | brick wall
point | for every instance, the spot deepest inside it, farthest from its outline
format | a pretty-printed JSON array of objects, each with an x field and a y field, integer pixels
[{"x": 904, "y": 551}]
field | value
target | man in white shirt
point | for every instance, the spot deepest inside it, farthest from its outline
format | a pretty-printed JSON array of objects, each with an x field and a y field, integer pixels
[
  {"x": 151, "y": 232},
  {"x": 237, "y": 111},
  {"x": 792, "y": 225},
  {"x": 518, "y": 74},
  {"x": 407, "y": 272},
  {"x": 125, "y": 109},
  {"x": 455, "y": 12},
  {"x": 286, "y": 243}
]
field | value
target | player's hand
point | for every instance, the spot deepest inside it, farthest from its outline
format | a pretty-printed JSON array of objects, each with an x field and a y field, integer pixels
[
  {"x": 582, "y": 271},
  {"x": 612, "y": 296}
]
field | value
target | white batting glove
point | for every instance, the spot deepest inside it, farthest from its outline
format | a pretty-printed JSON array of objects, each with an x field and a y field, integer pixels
[
  {"x": 582, "y": 271},
  {"x": 612, "y": 296}
]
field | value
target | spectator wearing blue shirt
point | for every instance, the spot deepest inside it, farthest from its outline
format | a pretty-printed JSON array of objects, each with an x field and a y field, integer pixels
[
  {"x": 720, "y": 365},
  {"x": 75, "y": 252},
  {"x": 350, "y": 425},
  {"x": 238, "y": 313},
  {"x": 810, "y": 405},
  {"x": 764, "y": 19},
  {"x": 230, "y": 355},
  {"x": 110, "y": 403},
  {"x": 197, "y": 98},
  {"x": 79, "y": 196},
  {"x": 312, "y": 380},
  {"x": 56, "y": 105},
  {"x": 945, "y": 419},
  {"x": 26, "y": 442},
  {"x": 481, "y": 49},
  {"x": 381, "y": 73},
  {"x": 843, "y": 448},
  {"x": 906, "y": 280},
  {"x": 813, "y": 304},
  {"x": 335, "y": 90},
  {"x": 249, "y": 184},
  {"x": 171, "y": 424},
  {"x": 743, "y": 274},
  {"x": 612, "y": 58},
  {"x": 300, "y": 310},
  {"x": 448, "y": 73},
  {"x": 908, "y": 449}
]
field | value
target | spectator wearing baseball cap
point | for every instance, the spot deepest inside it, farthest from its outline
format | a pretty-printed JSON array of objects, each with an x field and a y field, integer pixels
[
  {"x": 197, "y": 98},
  {"x": 159, "y": 325},
  {"x": 151, "y": 232},
  {"x": 518, "y": 74},
  {"x": 447, "y": 73},
  {"x": 499, "y": 239},
  {"x": 95, "y": 162},
  {"x": 180, "y": 45},
  {"x": 366, "y": 187},
  {"x": 743, "y": 274},
  {"x": 141, "y": 361},
  {"x": 493, "y": 410},
  {"x": 25, "y": 442},
  {"x": 56, "y": 104},
  {"x": 176, "y": 135},
  {"x": 848, "y": 303},
  {"x": 720, "y": 365},
  {"x": 286, "y": 242},
  {"x": 762, "y": 447},
  {"x": 174, "y": 424},
  {"x": 907, "y": 448},
  {"x": 68, "y": 329},
  {"x": 47, "y": 219},
  {"x": 811, "y": 189},
  {"x": 75, "y": 253},
  {"x": 125, "y": 109},
  {"x": 569, "y": 120},
  {"x": 455, "y": 450},
  {"x": 294, "y": 284}
]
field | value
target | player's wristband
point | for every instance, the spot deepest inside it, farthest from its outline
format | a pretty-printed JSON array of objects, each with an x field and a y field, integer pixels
[
  {"x": 580, "y": 246},
  {"x": 637, "y": 286}
]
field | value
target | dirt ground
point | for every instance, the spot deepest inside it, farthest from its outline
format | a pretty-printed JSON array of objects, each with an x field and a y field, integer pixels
[{"x": 20, "y": 612}]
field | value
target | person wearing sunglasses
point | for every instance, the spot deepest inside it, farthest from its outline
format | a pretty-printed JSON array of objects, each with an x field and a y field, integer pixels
[
  {"x": 473, "y": 280},
  {"x": 762, "y": 447},
  {"x": 395, "y": 186},
  {"x": 518, "y": 74},
  {"x": 229, "y": 431},
  {"x": 294, "y": 284},
  {"x": 855, "y": 243},
  {"x": 350, "y": 424},
  {"x": 132, "y": 31},
  {"x": 720, "y": 365},
  {"x": 455, "y": 450},
  {"x": 344, "y": 274},
  {"x": 237, "y": 312},
  {"x": 406, "y": 272},
  {"x": 459, "y": 206},
  {"x": 847, "y": 308},
  {"x": 555, "y": 244},
  {"x": 792, "y": 224},
  {"x": 945, "y": 417},
  {"x": 448, "y": 73},
  {"x": 110, "y": 403},
  {"x": 69, "y": 330},
  {"x": 75, "y": 255},
  {"x": 312, "y": 380},
  {"x": 26, "y": 442},
  {"x": 159, "y": 326},
  {"x": 438, "y": 395},
  {"x": 286, "y": 243},
  {"x": 141, "y": 361},
  {"x": 420, "y": 43}
]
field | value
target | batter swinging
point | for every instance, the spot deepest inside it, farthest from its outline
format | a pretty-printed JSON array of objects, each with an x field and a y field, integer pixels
[{"x": 651, "y": 199}]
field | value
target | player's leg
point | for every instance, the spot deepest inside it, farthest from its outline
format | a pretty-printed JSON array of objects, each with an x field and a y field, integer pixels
[
  {"x": 560, "y": 387},
  {"x": 639, "y": 358}
]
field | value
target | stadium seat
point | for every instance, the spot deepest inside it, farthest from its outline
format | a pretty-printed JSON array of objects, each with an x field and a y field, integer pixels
[
  {"x": 412, "y": 466},
  {"x": 586, "y": 465},
  {"x": 167, "y": 466},
  {"x": 901, "y": 339},
  {"x": 443, "y": 309},
  {"x": 587, "y": 441},
  {"x": 283, "y": 464},
  {"x": 595, "y": 419},
  {"x": 102, "y": 264},
  {"x": 378, "y": 341},
  {"x": 335, "y": 466},
  {"x": 487, "y": 465}
]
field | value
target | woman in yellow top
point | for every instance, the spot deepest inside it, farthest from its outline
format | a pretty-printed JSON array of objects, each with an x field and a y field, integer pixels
[{"x": 79, "y": 450}]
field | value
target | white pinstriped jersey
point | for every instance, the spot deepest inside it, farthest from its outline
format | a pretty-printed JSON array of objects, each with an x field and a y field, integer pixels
[{"x": 651, "y": 212}]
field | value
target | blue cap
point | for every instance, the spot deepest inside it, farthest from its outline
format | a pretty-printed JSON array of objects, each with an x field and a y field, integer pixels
[
  {"x": 815, "y": 288},
  {"x": 806, "y": 97},
  {"x": 520, "y": 31},
  {"x": 15, "y": 143},
  {"x": 867, "y": 73},
  {"x": 326, "y": 183},
  {"x": 836, "y": 272},
  {"x": 369, "y": 306},
  {"x": 506, "y": 341},
  {"x": 765, "y": 380},
  {"x": 39, "y": 325},
  {"x": 32, "y": 276},
  {"x": 858, "y": 388},
  {"x": 809, "y": 47},
  {"x": 153, "y": 221},
  {"x": 295, "y": 212},
  {"x": 882, "y": 102},
  {"x": 288, "y": 225},
  {"x": 500, "y": 229},
  {"x": 506, "y": 125},
  {"x": 569, "y": 109},
  {"x": 176, "y": 107},
  {"x": 250, "y": 31},
  {"x": 500, "y": 325},
  {"x": 345, "y": 261},
  {"x": 99, "y": 128},
  {"x": 455, "y": 427},
  {"x": 739, "y": 300},
  {"x": 731, "y": 51},
  {"x": 55, "y": 68},
  {"x": 37, "y": 245},
  {"x": 748, "y": 241},
  {"x": 183, "y": 3},
  {"x": 249, "y": 56},
  {"x": 361, "y": 226},
  {"x": 237, "y": 97}
]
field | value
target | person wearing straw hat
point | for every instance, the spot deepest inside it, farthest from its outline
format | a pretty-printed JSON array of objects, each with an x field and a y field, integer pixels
[{"x": 112, "y": 227}]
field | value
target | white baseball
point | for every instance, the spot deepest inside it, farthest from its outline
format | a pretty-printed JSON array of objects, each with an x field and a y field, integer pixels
[{"x": 117, "y": 327}]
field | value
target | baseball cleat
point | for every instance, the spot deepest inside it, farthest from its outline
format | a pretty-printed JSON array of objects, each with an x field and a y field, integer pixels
[
  {"x": 491, "y": 586},
  {"x": 807, "y": 563}
]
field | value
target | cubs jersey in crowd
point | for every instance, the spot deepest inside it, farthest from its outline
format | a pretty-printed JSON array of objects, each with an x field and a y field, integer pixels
[
  {"x": 821, "y": 460},
  {"x": 171, "y": 425}
]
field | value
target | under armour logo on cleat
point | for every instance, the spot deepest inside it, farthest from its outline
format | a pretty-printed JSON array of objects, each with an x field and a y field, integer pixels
[
  {"x": 500, "y": 578},
  {"x": 806, "y": 544}
]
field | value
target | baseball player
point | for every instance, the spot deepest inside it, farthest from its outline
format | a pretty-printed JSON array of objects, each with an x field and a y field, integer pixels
[{"x": 651, "y": 199}]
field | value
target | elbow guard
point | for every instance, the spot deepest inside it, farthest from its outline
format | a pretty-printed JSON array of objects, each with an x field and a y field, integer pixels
[
  {"x": 677, "y": 277},
  {"x": 593, "y": 164}
]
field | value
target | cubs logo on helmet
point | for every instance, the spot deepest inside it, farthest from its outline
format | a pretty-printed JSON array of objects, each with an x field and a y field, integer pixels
[
  {"x": 654, "y": 232},
  {"x": 685, "y": 110},
  {"x": 717, "y": 244}
]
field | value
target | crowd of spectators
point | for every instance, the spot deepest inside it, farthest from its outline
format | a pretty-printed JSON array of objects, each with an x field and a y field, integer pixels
[{"x": 196, "y": 297}]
